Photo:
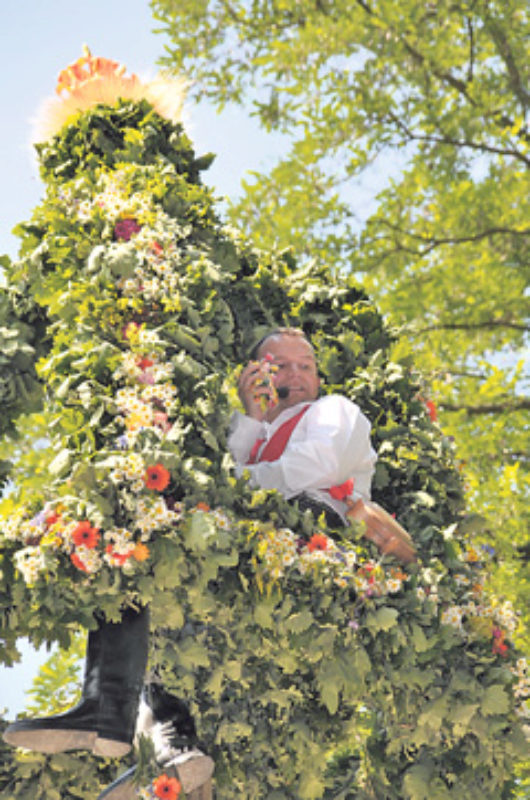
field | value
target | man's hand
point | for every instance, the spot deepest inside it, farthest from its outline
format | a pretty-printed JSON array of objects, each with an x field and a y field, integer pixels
[
  {"x": 256, "y": 388},
  {"x": 383, "y": 530}
]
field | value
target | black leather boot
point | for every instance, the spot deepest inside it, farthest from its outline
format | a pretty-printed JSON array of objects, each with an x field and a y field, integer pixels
[
  {"x": 166, "y": 720},
  {"x": 104, "y": 719}
]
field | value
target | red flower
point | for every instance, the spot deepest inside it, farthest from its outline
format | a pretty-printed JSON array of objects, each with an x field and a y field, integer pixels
[
  {"x": 125, "y": 228},
  {"x": 157, "y": 477},
  {"x": 342, "y": 491},
  {"x": 85, "y": 534},
  {"x": 499, "y": 646},
  {"x": 431, "y": 408},
  {"x": 167, "y": 788},
  {"x": 76, "y": 561},
  {"x": 52, "y": 518},
  {"x": 145, "y": 362},
  {"x": 157, "y": 247},
  {"x": 120, "y": 558},
  {"x": 317, "y": 542}
]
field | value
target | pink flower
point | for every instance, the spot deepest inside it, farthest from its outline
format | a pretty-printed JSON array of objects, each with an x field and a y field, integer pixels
[
  {"x": 125, "y": 228},
  {"x": 161, "y": 420}
]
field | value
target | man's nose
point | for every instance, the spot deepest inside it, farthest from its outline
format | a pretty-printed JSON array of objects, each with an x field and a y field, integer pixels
[{"x": 293, "y": 369}]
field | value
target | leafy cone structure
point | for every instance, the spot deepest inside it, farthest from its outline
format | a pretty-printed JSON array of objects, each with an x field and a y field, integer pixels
[{"x": 311, "y": 672}]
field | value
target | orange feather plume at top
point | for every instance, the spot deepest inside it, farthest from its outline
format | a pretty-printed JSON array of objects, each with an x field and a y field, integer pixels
[{"x": 93, "y": 80}]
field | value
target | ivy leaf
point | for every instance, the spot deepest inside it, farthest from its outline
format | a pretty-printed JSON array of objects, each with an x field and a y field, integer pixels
[
  {"x": 416, "y": 782},
  {"x": 299, "y": 622},
  {"x": 61, "y": 462},
  {"x": 495, "y": 701},
  {"x": 310, "y": 787},
  {"x": 200, "y": 532},
  {"x": 382, "y": 620}
]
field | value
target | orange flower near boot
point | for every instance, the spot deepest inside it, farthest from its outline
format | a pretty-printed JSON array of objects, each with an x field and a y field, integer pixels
[{"x": 166, "y": 788}]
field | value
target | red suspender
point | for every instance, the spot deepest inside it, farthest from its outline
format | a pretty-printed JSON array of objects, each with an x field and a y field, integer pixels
[
  {"x": 278, "y": 441},
  {"x": 277, "y": 444}
]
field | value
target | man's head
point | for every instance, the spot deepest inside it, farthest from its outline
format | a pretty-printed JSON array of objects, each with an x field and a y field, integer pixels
[{"x": 294, "y": 358}]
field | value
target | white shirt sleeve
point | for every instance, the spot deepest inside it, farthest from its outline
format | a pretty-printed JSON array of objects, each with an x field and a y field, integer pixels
[
  {"x": 242, "y": 434},
  {"x": 329, "y": 445}
]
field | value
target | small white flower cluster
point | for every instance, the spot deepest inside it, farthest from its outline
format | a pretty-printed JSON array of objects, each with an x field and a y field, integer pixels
[
  {"x": 90, "y": 558},
  {"x": 153, "y": 513},
  {"x": 116, "y": 199},
  {"x": 129, "y": 469},
  {"x": 505, "y": 616},
  {"x": 148, "y": 401},
  {"x": 11, "y": 525},
  {"x": 453, "y": 616},
  {"x": 30, "y": 561},
  {"x": 154, "y": 234},
  {"x": 279, "y": 549}
]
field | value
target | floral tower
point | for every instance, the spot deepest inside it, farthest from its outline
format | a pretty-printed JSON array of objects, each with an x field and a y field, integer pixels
[{"x": 313, "y": 668}]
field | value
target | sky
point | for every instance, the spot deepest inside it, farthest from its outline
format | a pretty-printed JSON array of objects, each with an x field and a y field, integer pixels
[{"x": 40, "y": 38}]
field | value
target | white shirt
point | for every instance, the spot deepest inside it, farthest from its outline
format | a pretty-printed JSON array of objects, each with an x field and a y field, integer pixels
[{"x": 329, "y": 445}]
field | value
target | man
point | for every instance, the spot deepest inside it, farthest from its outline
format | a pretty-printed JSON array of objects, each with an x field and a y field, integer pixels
[
  {"x": 313, "y": 449},
  {"x": 327, "y": 457}
]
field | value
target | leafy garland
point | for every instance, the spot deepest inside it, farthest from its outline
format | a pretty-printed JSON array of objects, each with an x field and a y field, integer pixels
[{"x": 290, "y": 643}]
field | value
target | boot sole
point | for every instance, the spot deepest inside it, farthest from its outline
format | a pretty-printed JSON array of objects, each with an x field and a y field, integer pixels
[
  {"x": 193, "y": 774},
  {"x": 51, "y": 741},
  {"x": 56, "y": 740},
  {"x": 110, "y": 748}
]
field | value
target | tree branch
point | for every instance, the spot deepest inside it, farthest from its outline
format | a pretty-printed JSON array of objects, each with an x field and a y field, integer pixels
[
  {"x": 449, "y": 140},
  {"x": 456, "y": 326},
  {"x": 461, "y": 87},
  {"x": 437, "y": 241},
  {"x": 507, "y": 407},
  {"x": 505, "y": 52},
  {"x": 471, "y": 33}
]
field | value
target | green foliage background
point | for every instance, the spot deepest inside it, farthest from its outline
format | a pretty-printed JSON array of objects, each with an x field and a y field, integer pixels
[
  {"x": 334, "y": 689},
  {"x": 406, "y": 164}
]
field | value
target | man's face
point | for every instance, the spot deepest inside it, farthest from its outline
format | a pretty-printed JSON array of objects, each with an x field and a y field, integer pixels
[{"x": 296, "y": 370}]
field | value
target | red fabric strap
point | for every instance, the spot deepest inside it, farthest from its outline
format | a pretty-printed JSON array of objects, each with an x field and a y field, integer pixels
[
  {"x": 278, "y": 441},
  {"x": 277, "y": 444}
]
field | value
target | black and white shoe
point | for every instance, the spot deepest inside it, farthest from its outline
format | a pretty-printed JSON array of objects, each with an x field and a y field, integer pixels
[{"x": 167, "y": 722}]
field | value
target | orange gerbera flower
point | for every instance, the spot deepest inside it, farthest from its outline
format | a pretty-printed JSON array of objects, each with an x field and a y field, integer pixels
[
  {"x": 141, "y": 552},
  {"x": 317, "y": 542},
  {"x": 202, "y": 506},
  {"x": 166, "y": 788},
  {"x": 84, "y": 534},
  {"x": 157, "y": 477}
]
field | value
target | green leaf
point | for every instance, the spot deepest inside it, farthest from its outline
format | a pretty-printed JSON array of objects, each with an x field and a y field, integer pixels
[
  {"x": 494, "y": 701},
  {"x": 383, "y": 619},
  {"x": 416, "y": 782}
]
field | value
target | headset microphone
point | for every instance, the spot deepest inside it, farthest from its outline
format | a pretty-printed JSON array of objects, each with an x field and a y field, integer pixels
[{"x": 283, "y": 392}]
